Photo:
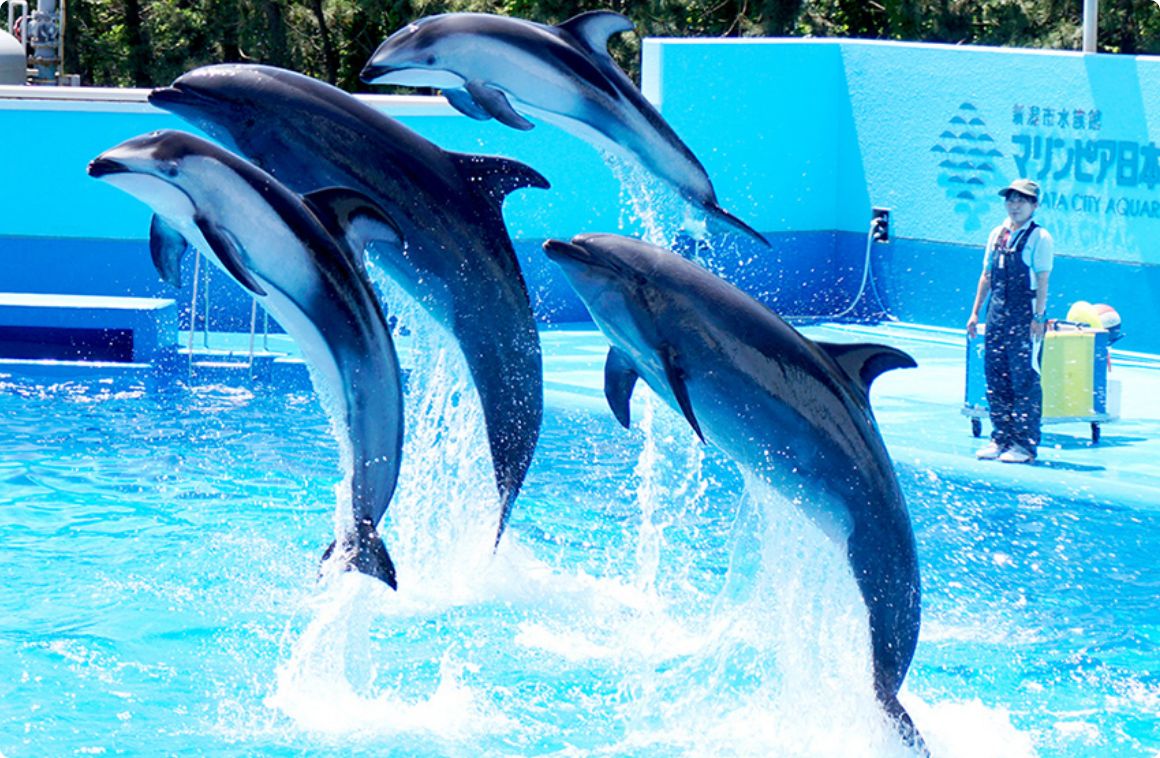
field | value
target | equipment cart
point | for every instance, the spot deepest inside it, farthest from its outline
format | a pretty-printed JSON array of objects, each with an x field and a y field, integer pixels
[{"x": 1074, "y": 374}]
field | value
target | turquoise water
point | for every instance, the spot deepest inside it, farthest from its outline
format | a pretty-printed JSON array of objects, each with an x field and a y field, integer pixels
[{"x": 159, "y": 578}]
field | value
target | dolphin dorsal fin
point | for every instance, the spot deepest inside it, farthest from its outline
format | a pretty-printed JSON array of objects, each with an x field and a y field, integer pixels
[
  {"x": 619, "y": 379},
  {"x": 167, "y": 247},
  {"x": 498, "y": 177},
  {"x": 229, "y": 252},
  {"x": 594, "y": 28},
  {"x": 352, "y": 217},
  {"x": 864, "y": 362}
]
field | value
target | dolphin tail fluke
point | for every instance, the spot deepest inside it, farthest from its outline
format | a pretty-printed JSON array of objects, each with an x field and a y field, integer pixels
[
  {"x": 905, "y": 726},
  {"x": 736, "y": 223},
  {"x": 364, "y": 552}
]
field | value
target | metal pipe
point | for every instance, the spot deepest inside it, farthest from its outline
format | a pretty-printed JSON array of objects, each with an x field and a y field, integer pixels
[
  {"x": 205, "y": 316},
  {"x": 43, "y": 33},
  {"x": 193, "y": 306},
  {"x": 253, "y": 327},
  {"x": 1091, "y": 17},
  {"x": 60, "y": 45},
  {"x": 12, "y": 15}
]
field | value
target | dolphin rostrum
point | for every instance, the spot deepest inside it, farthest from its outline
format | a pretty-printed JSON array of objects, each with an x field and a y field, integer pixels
[
  {"x": 297, "y": 257},
  {"x": 793, "y": 411},
  {"x": 458, "y": 261},
  {"x": 562, "y": 74}
]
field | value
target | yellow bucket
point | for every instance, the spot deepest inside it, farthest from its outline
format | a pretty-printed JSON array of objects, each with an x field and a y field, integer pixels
[{"x": 1067, "y": 373}]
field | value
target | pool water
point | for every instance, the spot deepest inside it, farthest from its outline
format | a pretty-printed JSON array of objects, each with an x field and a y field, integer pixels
[{"x": 160, "y": 577}]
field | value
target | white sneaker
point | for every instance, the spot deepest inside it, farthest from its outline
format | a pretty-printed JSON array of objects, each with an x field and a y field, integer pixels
[
  {"x": 990, "y": 452},
  {"x": 1016, "y": 454}
]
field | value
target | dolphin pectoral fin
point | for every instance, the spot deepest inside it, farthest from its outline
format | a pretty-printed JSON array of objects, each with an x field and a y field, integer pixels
[
  {"x": 225, "y": 246},
  {"x": 496, "y": 103},
  {"x": 676, "y": 376},
  {"x": 863, "y": 362},
  {"x": 167, "y": 247},
  {"x": 594, "y": 28},
  {"x": 365, "y": 552},
  {"x": 353, "y": 217},
  {"x": 462, "y": 101},
  {"x": 619, "y": 380},
  {"x": 498, "y": 176}
]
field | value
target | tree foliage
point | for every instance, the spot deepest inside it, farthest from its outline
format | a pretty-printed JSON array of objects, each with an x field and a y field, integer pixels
[{"x": 146, "y": 43}]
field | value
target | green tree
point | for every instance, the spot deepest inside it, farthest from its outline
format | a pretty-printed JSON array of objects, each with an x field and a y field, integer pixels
[{"x": 150, "y": 42}]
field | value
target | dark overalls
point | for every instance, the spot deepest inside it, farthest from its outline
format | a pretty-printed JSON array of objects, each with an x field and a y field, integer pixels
[{"x": 1014, "y": 394}]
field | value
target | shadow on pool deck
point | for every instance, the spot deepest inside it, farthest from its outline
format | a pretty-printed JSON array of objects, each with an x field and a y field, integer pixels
[{"x": 920, "y": 414}]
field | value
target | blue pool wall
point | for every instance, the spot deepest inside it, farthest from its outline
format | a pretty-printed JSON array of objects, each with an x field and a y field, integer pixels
[{"x": 801, "y": 138}]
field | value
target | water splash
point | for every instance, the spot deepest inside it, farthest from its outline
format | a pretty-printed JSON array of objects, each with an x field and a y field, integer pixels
[
  {"x": 650, "y": 204},
  {"x": 669, "y": 486},
  {"x": 331, "y": 682},
  {"x": 440, "y": 538},
  {"x": 445, "y": 441},
  {"x": 650, "y": 535},
  {"x": 654, "y": 212}
]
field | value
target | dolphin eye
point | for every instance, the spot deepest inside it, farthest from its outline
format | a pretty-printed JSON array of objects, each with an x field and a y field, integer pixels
[
  {"x": 169, "y": 168},
  {"x": 430, "y": 60}
]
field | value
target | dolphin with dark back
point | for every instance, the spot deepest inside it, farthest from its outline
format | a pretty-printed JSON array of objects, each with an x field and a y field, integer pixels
[
  {"x": 562, "y": 74},
  {"x": 458, "y": 261},
  {"x": 301, "y": 258},
  {"x": 793, "y": 411}
]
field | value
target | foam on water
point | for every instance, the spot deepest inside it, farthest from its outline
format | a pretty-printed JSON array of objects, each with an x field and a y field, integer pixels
[
  {"x": 330, "y": 684},
  {"x": 968, "y": 728}
]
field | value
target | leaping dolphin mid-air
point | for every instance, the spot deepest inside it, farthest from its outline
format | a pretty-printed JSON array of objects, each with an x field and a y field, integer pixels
[
  {"x": 458, "y": 261},
  {"x": 793, "y": 411},
  {"x": 562, "y": 74},
  {"x": 297, "y": 256}
]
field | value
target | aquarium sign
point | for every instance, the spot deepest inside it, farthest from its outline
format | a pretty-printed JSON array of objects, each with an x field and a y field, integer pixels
[
  {"x": 971, "y": 165},
  {"x": 1080, "y": 168},
  {"x": 1077, "y": 119},
  {"x": 1088, "y": 161}
]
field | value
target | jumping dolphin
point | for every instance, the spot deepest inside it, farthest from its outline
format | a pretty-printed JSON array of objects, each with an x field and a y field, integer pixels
[
  {"x": 458, "y": 261},
  {"x": 297, "y": 257},
  {"x": 794, "y": 411},
  {"x": 562, "y": 74}
]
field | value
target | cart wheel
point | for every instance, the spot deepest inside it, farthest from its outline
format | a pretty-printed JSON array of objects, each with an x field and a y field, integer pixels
[
  {"x": 1095, "y": 433},
  {"x": 977, "y": 427}
]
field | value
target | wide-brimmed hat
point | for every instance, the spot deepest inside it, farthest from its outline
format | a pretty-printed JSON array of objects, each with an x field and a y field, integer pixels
[{"x": 1023, "y": 187}]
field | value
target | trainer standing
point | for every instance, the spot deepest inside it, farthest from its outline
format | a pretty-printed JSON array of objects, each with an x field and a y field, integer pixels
[{"x": 1016, "y": 266}]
